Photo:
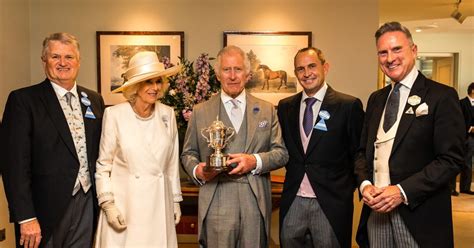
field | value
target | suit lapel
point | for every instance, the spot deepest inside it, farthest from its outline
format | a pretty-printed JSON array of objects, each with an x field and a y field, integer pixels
[
  {"x": 406, "y": 119},
  {"x": 56, "y": 113},
  {"x": 252, "y": 110},
  {"x": 373, "y": 125},
  {"x": 294, "y": 121}
]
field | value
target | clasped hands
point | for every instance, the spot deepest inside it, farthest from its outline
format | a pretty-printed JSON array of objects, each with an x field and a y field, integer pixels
[
  {"x": 382, "y": 200},
  {"x": 245, "y": 164}
]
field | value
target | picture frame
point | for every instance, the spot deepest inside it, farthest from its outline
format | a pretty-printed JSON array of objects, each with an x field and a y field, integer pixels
[
  {"x": 271, "y": 57},
  {"x": 115, "y": 48}
]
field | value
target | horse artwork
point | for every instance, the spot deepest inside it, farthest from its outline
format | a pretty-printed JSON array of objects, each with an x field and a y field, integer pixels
[{"x": 268, "y": 74}]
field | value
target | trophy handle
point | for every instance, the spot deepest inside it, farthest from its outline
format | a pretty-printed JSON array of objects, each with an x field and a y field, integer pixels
[
  {"x": 202, "y": 134},
  {"x": 232, "y": 132}
]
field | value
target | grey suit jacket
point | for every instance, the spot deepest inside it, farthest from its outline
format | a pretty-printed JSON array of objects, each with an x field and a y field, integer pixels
[{"x": 263, "y": 137}]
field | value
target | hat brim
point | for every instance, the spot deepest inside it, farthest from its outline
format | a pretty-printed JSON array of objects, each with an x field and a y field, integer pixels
[{"x": 166, "y": 73}]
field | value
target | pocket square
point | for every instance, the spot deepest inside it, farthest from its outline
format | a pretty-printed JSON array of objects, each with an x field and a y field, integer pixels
[
  {"x": 421, "y": 110},
  {"x": 409, "y": 111},
  {"x": 263, "y": 123}
]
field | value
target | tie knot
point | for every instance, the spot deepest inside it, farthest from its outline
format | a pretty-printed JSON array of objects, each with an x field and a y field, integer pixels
[
  {"x": 397, "y": 86},
  {"x": 235, "y": 102},
  {"x": 68, "y": 96},
  {"x": 310, "y": 101}
]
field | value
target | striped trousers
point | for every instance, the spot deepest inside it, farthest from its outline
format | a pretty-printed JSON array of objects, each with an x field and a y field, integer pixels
[{"x": 387, "y": 230}]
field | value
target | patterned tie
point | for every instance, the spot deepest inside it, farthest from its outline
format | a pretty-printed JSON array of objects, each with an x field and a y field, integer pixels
[
  {"x": 391, "y": 109},
  {"x": 69, "y": 96},
  {"x": 76, "y": 127},
  {"x": 308, "y": 115},
  {"x": 236, "y": 114}
]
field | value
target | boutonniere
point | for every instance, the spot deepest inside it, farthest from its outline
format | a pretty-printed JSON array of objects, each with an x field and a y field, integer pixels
[
  {"x": 422, "y": 110},
  {"x": 263, "y": 124},
  {"x": 84, "y": 100},
  {"x": 414, "y": 100},
  {"x": 321, "y": 125}
]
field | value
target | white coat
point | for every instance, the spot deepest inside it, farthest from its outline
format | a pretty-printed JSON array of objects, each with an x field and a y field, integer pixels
[{"x": 138, "y": 167}]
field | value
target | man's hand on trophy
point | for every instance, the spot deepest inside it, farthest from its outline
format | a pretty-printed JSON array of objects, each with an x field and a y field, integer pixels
[
  {"x": 244, "y": 163},
  {"x": 206, "y": 175}
]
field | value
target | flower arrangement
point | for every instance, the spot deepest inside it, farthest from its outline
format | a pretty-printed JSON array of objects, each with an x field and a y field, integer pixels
[{"x": 195, "y": 83}]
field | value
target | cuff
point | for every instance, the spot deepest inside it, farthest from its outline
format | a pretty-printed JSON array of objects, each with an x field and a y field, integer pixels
[
  {"x": 27, "y": 220},
  {"x": 258, "y": 168},
  {"x": 195, "y": 177},
  {"x": 363, "y": 184},
  {"x": 405, "y": 199}
]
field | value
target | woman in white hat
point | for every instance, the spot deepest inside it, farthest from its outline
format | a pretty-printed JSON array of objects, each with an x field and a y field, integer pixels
[{"x": 137, "y": 175}]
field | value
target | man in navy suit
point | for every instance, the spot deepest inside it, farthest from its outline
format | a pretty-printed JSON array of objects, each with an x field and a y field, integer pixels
[
  {"x": 321, "y": 128},
  {"x": 50, "y": 140},
  {"x": 412, "y": 145}
]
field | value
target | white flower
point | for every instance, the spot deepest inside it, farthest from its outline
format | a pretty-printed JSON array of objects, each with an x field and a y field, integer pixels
[
  {"x": 172, "y": 92},
  {"x": 414, "y": 100}
]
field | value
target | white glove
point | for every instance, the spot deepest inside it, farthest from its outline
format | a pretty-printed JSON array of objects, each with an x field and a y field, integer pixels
[
  {"x": 177, "y": 213},
  {"x": 114, "y": 217}
]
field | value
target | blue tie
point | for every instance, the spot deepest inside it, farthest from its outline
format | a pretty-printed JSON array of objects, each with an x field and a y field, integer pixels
[
  {"x": 308, "y": 115},
  {"x": 391, "y": 109}
]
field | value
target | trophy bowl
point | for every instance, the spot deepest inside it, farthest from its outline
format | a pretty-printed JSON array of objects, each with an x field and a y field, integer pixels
[{"x": 218, "y": 136}]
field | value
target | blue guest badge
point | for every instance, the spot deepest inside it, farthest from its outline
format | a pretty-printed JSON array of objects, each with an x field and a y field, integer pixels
[
  {"x": 84, "y": 100},
  {"x": 321, "y": 125}
]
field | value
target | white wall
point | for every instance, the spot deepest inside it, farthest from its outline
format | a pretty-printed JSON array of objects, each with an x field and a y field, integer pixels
[
  {"x": 342, "y": 29},
  {"x": 14, "y": 47},
  {"x": 462, "y": 43},
  {"x": 14, "y": 73}
]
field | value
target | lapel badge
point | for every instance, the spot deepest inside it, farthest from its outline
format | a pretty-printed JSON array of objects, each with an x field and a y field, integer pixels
[
  {"x": 89, "y": 114},
  {"x": 414, "y": 100},
  {"x": 409, "y": 111},
  {"x": 321, "y": 125},
  {"x": 256, "y": 109},
  {"x": 263, "y": 123}
]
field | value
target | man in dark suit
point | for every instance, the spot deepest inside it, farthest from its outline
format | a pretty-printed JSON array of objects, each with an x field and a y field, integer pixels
[
  {"x": 467, "y": 107},
  {"x": 321, "y": 129},
  {"x": 411, "y": 147},
  {"x": 50, "y": 141}
]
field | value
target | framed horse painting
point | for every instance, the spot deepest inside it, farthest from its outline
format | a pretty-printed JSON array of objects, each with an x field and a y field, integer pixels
[
  {"x": 115, "y": 48},
  {"x": 271, "y": 61}
]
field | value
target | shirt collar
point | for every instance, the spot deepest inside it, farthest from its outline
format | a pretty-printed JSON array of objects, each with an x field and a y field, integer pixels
[
  {"x": 226, "y": 98},
  {"x": 319, "y": 95},
  {"x": 60, "y": 91},
  {"x": 409, "y": 80}
]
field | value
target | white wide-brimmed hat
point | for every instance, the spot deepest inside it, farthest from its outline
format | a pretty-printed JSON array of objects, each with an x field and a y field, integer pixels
[{"x": 144, "y": 66}]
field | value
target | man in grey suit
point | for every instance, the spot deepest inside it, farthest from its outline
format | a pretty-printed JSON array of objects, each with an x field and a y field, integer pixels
[{"x": 235, "y": 207}]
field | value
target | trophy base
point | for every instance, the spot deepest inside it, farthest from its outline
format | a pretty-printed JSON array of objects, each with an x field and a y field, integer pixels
[{"x": 217, "y": 163}]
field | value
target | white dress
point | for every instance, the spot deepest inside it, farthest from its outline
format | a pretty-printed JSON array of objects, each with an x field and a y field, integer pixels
[{"x": 138, "y": 167}]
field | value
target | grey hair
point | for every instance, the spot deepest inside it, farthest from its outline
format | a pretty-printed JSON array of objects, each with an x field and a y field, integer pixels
[
  {"x": 393, "y": 27},
  {"x": 64, "y": 38},
  {"x": 227, "y": 50}
]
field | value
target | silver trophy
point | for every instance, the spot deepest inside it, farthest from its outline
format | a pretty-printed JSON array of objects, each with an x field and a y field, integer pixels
[{"x": 217, "y": 135}]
